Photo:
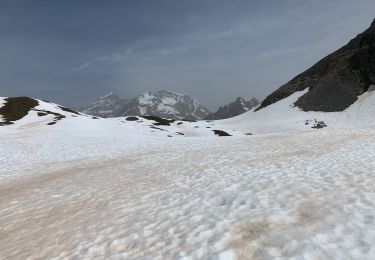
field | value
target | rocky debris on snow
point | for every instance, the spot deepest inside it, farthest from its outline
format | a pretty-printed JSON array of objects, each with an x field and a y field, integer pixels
[
  {"x": 157, "y": 128},
  {"x": 316, "y": 124},
  {"x": 319, "y": 125}
]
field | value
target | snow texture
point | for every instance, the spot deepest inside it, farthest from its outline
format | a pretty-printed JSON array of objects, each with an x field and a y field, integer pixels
[{"x": 116, "y": 189}]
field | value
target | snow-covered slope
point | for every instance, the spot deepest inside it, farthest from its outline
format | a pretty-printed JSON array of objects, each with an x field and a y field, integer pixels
[
  {"x": 46, "y": 117},
  {"x": 163, "y": 103},
  {"x": 122, "y": 188},
  {"x": 283, "y": 116}
]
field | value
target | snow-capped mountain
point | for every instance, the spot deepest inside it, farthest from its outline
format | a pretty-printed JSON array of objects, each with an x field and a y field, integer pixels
[
  {"x": 237, "y": 107},
  {"x": 105, "y": 105},
  {"x": 163, "y": 103}
]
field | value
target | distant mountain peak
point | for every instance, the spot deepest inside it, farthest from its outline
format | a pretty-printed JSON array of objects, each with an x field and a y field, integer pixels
[
  {"x": 167, "y": 91},
  {"x": 239, "y": 106},
  {"x": 104, "y": 106},
  {"x": 109, "y": 94},
  {"x": 163, "y": 103}
]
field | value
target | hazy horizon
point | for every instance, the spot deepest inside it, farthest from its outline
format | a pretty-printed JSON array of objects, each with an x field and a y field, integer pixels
[{"x": 72, "y": 52}]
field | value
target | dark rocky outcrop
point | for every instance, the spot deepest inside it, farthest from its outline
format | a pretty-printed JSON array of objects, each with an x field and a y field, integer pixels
[
  {"x": 221, "y": 133},
  {"x": 336, "y": 81},
  {"x": 131, "y": 118},
  {"x": 159, "y": 120},
  {"x": 16, "y": 108}
]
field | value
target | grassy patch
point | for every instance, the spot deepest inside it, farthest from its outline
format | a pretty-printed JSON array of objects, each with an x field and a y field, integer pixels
[{"x": 16, "y": 108}]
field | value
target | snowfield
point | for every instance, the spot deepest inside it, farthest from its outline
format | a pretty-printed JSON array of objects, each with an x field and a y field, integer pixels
[{"x": 89, "y": 188}]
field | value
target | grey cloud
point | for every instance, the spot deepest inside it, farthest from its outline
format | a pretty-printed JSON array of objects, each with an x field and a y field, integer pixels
[{"x": 72, "y": 51}]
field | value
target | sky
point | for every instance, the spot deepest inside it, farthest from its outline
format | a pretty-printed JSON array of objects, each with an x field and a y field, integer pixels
[{"x": 73, "y": 51}]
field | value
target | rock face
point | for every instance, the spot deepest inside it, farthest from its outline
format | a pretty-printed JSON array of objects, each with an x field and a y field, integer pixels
[
  {"x": 164, "y": 104},
  {"x": 336, "y": 81},
  {"x": 239, "y": 106},
  {"x": 105, "y": 106}
]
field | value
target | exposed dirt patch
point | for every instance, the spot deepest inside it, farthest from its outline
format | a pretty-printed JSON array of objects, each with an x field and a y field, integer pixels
[
  {"x": 221, "y": 133},
  {"x": 159, "y": 120},
  {"x": 131, "y": 118},
  {"x": 253, "y": 239}
]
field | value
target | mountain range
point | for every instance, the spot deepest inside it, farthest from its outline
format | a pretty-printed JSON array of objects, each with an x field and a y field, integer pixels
[{"x": 166, "y": 104}]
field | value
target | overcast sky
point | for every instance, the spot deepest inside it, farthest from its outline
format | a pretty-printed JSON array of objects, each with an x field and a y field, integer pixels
[{"x": 72, "y": 51}]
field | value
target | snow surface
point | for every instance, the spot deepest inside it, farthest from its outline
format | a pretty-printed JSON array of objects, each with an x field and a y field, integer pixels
[
  {"x": 2, "y": 102},
  {"x": 110, "y": 188}
]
